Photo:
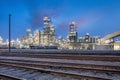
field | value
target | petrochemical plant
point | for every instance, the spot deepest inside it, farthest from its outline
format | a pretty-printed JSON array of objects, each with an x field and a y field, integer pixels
[{"x": 47, "y": 39}]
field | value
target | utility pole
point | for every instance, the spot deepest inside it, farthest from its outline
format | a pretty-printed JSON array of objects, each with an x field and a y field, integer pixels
[{"x": 10, "y": 33}]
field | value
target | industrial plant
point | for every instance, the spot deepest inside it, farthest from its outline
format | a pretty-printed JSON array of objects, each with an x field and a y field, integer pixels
[{"x": 46, "y": 39}]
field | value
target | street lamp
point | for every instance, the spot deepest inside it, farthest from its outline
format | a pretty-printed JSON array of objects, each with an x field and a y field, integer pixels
[{"x": 9, "y": 32}]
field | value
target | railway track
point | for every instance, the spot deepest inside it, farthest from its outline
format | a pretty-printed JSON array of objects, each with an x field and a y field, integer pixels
[
  {"x": 73, "y": 66},
  {"x": 68, "y": 56},
  {"x": 65, "y": 63},
  {"x": 53, "y": 72},
  {"x": 69, "y": 52},
  {"x": 63, "y": 66},
  {"x": 29, "y": 74},
  {"x": 8, "y": 77}
]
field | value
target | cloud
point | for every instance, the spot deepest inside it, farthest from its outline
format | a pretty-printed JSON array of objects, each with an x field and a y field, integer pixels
[
  {"x": 81, "y": 21},
  {"x": 63, "y": 26},
  {"x": 87, "y": 19},
  {"x": 37, "y": 16},
  {"x": 37, "y": 11}
]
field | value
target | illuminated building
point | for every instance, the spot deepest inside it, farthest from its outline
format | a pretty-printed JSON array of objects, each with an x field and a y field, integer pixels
[
  {"x": 1, "y": 40},
  {"x": 40, "y": 38},
  {"x": 46, "y": 37},
  {"x": 73, "y": 33},
  {"x": 84, "y": 43},
  {"x": 87, "y": 38},
  {"x": 117, "y": 45}
]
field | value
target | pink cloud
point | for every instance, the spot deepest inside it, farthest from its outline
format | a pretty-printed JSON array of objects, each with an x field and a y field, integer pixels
[{"x": 87, "y": 20}]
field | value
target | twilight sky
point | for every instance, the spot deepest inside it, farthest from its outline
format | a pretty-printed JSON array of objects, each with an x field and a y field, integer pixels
[{"x": 97, "y": 17}]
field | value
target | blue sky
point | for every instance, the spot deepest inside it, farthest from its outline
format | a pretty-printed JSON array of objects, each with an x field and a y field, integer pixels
[{"x": 97, "y": 17}]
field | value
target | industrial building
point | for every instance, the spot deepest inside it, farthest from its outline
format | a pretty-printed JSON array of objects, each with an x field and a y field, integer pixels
[
  {"x": 40, "y": 38},
  {"x": 47, "y": 38},
  {"x": 1, "y": 40},
  {"x": 84, "y": 43}
]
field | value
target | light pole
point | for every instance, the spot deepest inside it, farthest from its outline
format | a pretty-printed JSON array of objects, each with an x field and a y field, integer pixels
[
  {"x": 9, "y": 32},
  {"x": 39, "y": 37}
]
